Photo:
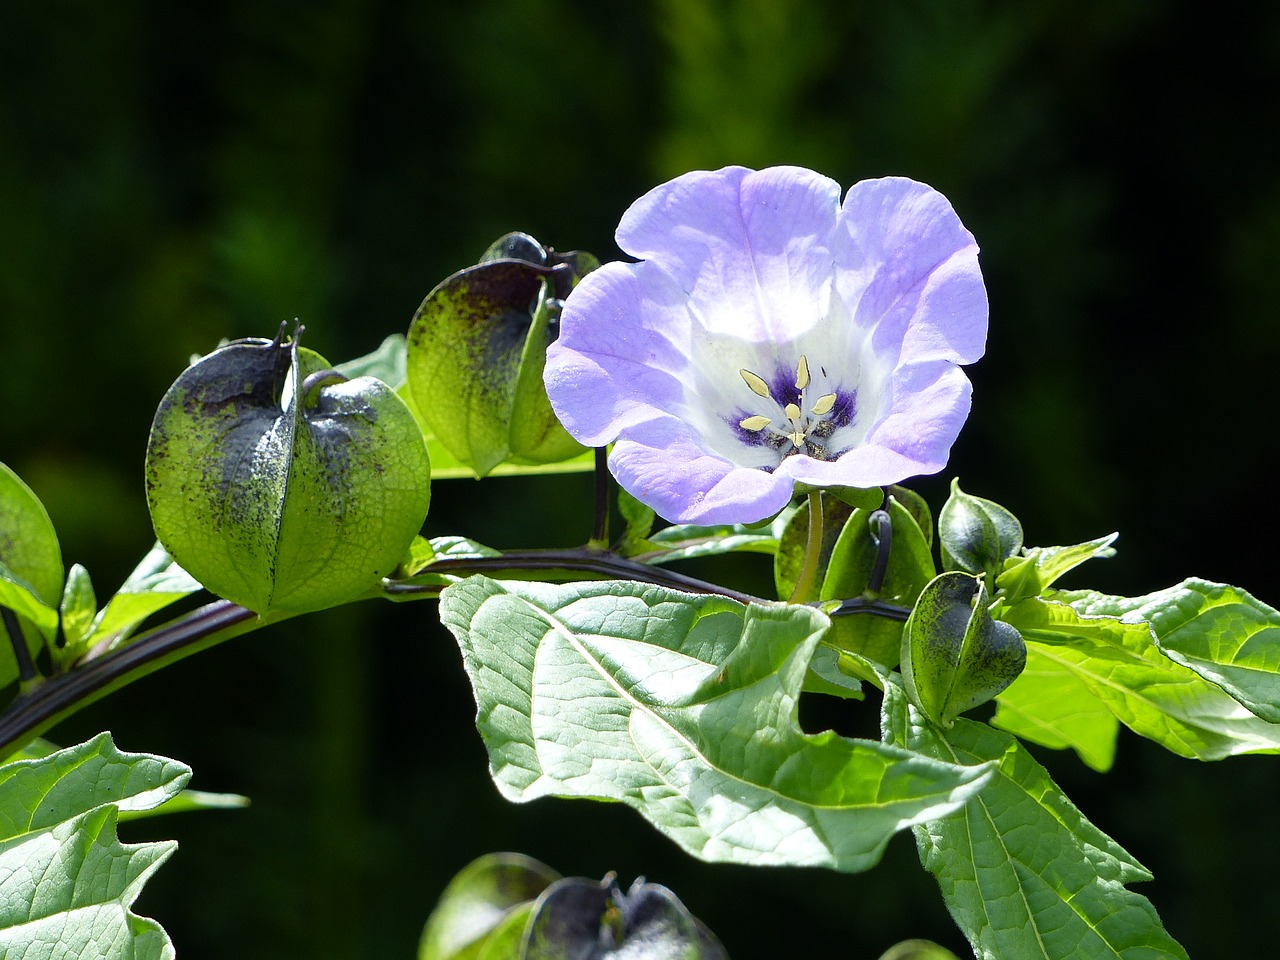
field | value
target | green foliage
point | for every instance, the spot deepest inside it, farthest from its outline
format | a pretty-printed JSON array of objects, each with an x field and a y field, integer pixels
[
  {"x": 954, "y": 655},
  {"x": 477, "y": 347},
  {"x": 1224, "y": 635},
  {"x": 639, "y": 519},
  {"x": 79, "y": 605},
  {"x": 30, "y": 569},
  {"x": 685, "y": 541},
  {"x": 68, "y": 881},
  {"x": 684, "y": 708},
  {"x": 1023, "y": 872},
  {"x": 153, "y": 585},
  {"x": 1106, "y": 644},
  {"x": 1038, "y": 568},
  {"x": 506, "y": 906},
  {"x": 280, "y": 484},
  {"x": 1051, "y": 705}
]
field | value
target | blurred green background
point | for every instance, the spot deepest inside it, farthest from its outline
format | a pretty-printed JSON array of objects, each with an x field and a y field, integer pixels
[{"x": 172, "y": 174}]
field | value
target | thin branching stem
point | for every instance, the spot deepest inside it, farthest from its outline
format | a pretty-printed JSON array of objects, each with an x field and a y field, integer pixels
[
  {"x": 35, "y": 710},
  {"x": 26, "y": 667},
  {"x": 58, "y": 697},
  {"x": 600, "y": 531},
  {"x": 573, "y": 564}
]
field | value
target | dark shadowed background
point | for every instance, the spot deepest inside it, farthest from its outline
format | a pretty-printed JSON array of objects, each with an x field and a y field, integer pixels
[{"x": 173, "y": 174}]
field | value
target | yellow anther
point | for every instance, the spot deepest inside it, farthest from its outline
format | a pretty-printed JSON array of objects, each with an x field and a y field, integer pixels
[
  {"x": 754, "y": 423},
  {"x": 802, "y": 373},
  {"x": 755, "y": 382},
  {"x": 792, "y": 411},
  {"x": 797, "y": 438},
  {"x": 824, "y": 404}
]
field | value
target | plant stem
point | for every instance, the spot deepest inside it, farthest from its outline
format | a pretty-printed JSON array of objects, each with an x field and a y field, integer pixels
[
  {"x": 600, "y": 532},
  {"x": 566, "y": 565},
  {"x": 26, "y": 668},
  {"x": 812, "y": 553},
  {"x": 59, "y": 697}
]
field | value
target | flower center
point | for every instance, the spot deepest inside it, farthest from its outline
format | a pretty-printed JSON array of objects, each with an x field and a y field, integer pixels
[{"x": 806, "y": 422}]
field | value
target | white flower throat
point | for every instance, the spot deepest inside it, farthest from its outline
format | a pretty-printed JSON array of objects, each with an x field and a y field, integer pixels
[{"x": 806, "y": 423}]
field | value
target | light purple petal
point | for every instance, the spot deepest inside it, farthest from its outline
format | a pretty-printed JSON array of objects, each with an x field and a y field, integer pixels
[
  {"x": 751, "y": 249},
  {"x": 914, "y": 274},
  {"x": 663, "y": 465},
  {"x": 619, "y": 356},
  {"x": 928, "y": 406}
]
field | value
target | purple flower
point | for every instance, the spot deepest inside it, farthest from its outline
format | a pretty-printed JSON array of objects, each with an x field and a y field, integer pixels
[{"x": 771, "y": 335}]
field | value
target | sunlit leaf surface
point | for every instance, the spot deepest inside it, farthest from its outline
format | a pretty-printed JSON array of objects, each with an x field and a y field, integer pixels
[
  {"x": 684, "y": 707},
  {"x": 1023, "y": 872},
  {"x": 67, "y": 884}
]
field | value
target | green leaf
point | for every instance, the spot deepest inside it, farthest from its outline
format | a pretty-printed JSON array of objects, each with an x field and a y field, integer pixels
[
  {"x": 831, "y": 673},
  {"x": 30, "y": 571},
  {"x": 188, "y": 801},
  {"x": 37, "y": 620},
  {"x": 1050, "y": 705},
  {"x": 419, "y": 555},
  {"x": 976, "y": 535},
  {"x": 79, "y": 605},
  {"x": 954, "y": 655},
  {"x": 1107, "y": 644},
  {"x": 684, "y": 708},
  {"x": 388, "y": 363},
  {"x": 39, "y": 748},
  {"x": 68, "y": 883},
  {"x": 34, "y": 749},
  {"x": 849, "y": 571},
  {"x": 578, "y": 919},
  {"x": 476, "y": 351},
  {"x": 155, "y": 583},
  {"x": 639, "y": 519},
  {"x": 1023, "y": 872},
  {"x": 1040, "y": 567},
  {"x": 1224, "y": 635},
  {"x": 460, "y": 548},
  {"x": 477, "y": 902},
  {"x": 917, "y": 507},
  {"x": 855, "y": 497},
  {"x": 280, "y": 485},
  {"x": 685, "y": 541},
  {"x": 28, "y": 544}
]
